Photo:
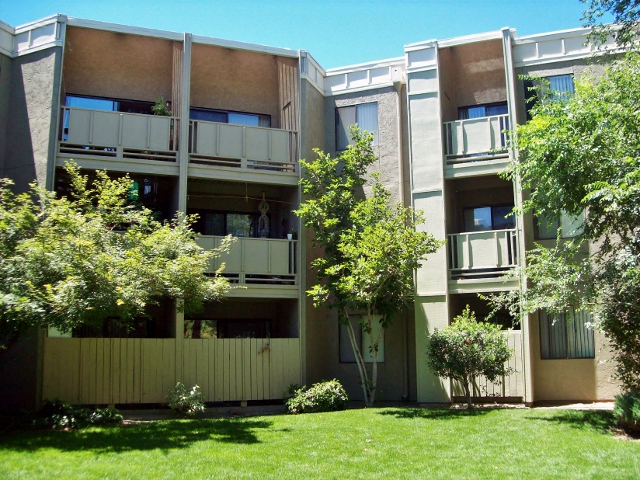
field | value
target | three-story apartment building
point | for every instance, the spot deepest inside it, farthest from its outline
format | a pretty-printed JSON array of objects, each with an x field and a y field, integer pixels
[{"x": 237, "y": 118}]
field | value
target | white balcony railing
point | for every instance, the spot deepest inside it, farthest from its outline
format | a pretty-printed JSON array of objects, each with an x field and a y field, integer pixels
[
  {"x": 255, "y": 260},
  {"x": 482, "y": 254},
  {"x": 118, "y": 135},
  {"x": 244, "y": 147},
  {"x": 475, "y": 139}
]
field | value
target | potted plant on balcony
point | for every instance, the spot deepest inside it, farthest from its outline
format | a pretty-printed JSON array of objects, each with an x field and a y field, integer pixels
[{"x": 161, "y": 108}]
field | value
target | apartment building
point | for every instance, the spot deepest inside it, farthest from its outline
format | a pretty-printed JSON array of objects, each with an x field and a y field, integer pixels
[{"x": 238, "y": 117}]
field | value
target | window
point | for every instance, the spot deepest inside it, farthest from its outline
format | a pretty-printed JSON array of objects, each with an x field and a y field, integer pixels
[
  {"x": 226, "y": 223},
  {"x": 363, "y": 342},
  {"x": 479, "y": 111},
  {"x": 234, "y": 118},
  {"x": 365, "y": 115},
  {"x": 547, "y": 229},
  {"x": 478, "y": 219},
  {"x": 109, "y": 104},
  {"x": 566, "y": 336},
  {"x": 226, "y": 328},
  {"x": 559, "y": 88}
]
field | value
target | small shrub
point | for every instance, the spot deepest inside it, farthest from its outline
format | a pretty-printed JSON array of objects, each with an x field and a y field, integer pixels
[
  {"x": 321, "y": 397},
  {"x": 59, "y": 415},
  {"x": 186, "y": 401},
  {"x": 627, "y": 411},
  {"x": 291, "y": 390}
]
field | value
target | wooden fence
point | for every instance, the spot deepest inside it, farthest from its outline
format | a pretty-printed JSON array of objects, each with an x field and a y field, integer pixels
[{"x": 120, "y": 370}]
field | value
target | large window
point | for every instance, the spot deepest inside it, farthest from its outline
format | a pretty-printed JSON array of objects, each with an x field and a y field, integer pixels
[
  {"x": 547, "y": 228},
  {"x": 226, "y": 223},
  {"x": 365, "y": 115},
  {"x": 108, "y": 104},
  {"x": 479, "y": 111},
  {"x": 495, "y": 217},
  {"x": 225, "y": 116},
  {"x": 227, "y": 328},
  {"x": 362, "y": 340},
  {"x": 566, "y": 336},
  {"x": 559, "y": 88}
]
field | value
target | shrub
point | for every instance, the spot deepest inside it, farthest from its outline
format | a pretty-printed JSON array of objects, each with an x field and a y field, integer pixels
[
  {"x": 627, "y": 411},
  {"x": 59, "y": 415},
  {"x": 321, "y": 397},
  {"x": 468, "y": 348},
  {"x": 186, "y": 401}
]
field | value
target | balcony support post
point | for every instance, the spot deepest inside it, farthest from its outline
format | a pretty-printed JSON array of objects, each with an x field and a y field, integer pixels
[{"x": 183, "y": 108}]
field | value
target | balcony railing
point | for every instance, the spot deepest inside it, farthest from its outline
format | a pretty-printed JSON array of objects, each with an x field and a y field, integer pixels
[
  {"x": 482, "y": 254},
  {"x": 252, "y": 261},
  {"x": 238, "y": 146},
  {"x": 118, "y": 135},
  {"x": 476, "y": 139}
]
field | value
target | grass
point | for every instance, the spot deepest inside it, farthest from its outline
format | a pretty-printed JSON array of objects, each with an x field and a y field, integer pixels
[{"x": 371, "y": 443}]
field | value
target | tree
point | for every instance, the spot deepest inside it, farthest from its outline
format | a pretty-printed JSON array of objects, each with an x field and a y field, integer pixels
[
  {"x": 370, "y": 247},
  {"x": 466, "y": 349},
  {"x": 66, "y": 262},
  {"x": 626, "y": 14},
  {"x": 581, "y": 154}
]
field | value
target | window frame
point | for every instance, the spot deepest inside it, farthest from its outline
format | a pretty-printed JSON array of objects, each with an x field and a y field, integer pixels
[
  {"x": 485, "y": 106},
  {"x": 346, "y": 129},
  {"x": 228, "y": 113},
  {"x": 566, "y": 336},
  {"x": 492, "y": 207}
]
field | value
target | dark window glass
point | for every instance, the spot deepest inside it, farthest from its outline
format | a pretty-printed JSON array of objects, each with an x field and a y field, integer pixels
[{"x": 478, "y": 219}]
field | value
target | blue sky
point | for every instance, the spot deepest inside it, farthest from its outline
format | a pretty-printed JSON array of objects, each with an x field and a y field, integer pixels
[{"x": 336, "y": 33}]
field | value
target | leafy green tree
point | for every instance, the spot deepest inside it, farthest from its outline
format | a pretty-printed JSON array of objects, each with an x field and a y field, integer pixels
[
  {"x": 468, "y": 348},
  {"x": 78, "y": 260},
  {"x": 626, "y": 14},
  {"x": 576, "y": 155},
  {"x": 370, "y": 247}
]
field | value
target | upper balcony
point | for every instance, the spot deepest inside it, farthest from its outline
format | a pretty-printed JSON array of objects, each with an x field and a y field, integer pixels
[
  {"x": 231, "y": 148},
  {"x": 130, "y": 139},
  {"x": 476, "y": 140}
]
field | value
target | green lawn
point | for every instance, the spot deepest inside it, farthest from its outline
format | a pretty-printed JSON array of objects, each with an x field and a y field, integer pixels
[{"x": 371, "y": 443}]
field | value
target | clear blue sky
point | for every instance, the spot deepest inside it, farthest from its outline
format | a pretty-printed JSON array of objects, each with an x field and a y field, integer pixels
[{"x": 336, "y": 32}]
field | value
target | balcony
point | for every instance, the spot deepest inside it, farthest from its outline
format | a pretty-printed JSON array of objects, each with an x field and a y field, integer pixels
[
  {"x": 256, "y": 261},
  {"x": 475, "y": 140},
  {"x": 481, "y": 255},
  {"x": 124, "y": 137},
  {"x": 256, "y": 149}
]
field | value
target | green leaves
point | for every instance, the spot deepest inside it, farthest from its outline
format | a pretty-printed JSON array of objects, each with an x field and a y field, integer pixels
[{"x": 66, "y": 262}]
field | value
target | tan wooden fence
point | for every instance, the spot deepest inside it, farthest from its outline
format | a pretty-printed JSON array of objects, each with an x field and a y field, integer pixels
[{"x": 120, "y": 370}]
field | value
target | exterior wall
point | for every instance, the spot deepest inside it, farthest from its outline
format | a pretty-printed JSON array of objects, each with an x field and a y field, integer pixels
[
  {"x": 472, "y": 74},
  {"x": 33, "y": 107},
  {"x": 236, "y": 80},
  {"x": 5, "y": 98},
  {"x": 108, "y": 64},
  {"x": 316, "y": 322}
]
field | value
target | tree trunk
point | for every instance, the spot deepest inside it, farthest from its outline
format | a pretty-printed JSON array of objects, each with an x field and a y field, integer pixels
[
  {"x": 467, "y": 392},
  {"x": 362, "y": 369}
]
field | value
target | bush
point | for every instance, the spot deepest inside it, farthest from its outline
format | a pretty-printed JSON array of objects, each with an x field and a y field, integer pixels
[
  {"x": 627, "y": 411},
  {"x": 321, "y": 397},
  {"x": 468, "y": 348},
  {"x": 186, "y": 401},
  {"x": 59, "y": 415}
]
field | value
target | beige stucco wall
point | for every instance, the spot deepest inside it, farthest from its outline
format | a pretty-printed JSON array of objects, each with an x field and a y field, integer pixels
[
  {"x": 33, "y": 106},
  {"x": 236, "y": 80},
  {"x": 589, "y": 379},
  {"x": 116, "y": 65},
  {"x": 471, "y": 74}
]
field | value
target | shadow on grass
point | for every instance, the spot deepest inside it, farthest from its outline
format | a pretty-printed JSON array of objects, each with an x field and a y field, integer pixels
[
  {"x": 434, "y": 414},
  {"x": 167, "y": 435},
  {"x": 599, "y": 420}
]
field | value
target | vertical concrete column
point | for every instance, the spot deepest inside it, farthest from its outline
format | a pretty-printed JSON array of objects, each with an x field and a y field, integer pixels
[
  {"x": 428, "y": 195},
  {"x": 510, "y": 79},
  {"x": 185, "y": 100}
]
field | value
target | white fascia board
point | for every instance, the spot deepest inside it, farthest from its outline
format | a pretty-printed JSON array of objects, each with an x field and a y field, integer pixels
[
  {"x": 410, "y": 47},
  {"x": 480, "y": 37},
  {"x": 7, "y": 28},
  {"x": 253, "y": 47},
  {"x": 359, "y": 89},
  {"x": 557, "y": 35},
  {"x": 314, "y": 62},
  {"x": 389, "y": 62},
  {"x": 118, "y": 28},
  {"x": 39, "y": 23}
]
